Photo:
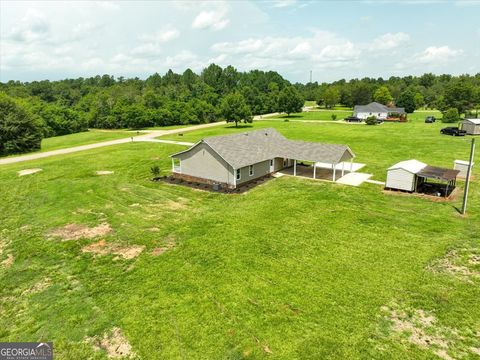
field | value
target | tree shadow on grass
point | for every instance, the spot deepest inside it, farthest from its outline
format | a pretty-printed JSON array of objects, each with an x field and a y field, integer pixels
[
  {"x": 290, "y": 117},
  {"x": 243, "y": 126}
]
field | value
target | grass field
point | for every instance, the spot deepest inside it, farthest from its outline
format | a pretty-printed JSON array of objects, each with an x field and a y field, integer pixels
[{"x": 293, "y": 269}]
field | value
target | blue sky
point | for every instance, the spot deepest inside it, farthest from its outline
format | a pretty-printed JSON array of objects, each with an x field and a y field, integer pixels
[{"x": 335, "y": 39}]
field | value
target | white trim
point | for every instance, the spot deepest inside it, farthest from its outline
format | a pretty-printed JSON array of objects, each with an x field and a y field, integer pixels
[
  {"x": 294, "y": 167},
  {"x": 238, "y": 174}
]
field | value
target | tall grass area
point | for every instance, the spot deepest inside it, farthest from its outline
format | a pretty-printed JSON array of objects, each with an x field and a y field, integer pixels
[{"x": 292, "y": 269}]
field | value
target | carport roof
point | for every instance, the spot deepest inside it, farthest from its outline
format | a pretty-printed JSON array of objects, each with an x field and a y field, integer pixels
[
  {"x": 240, "y": 150},
  {"x": 438, "y": 173}
]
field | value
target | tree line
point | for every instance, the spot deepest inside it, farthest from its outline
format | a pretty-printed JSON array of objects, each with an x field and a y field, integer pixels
[
  {"x": 53, "y": 108},
  {"x": 441, "y": 92},
  {"x": 30, "y": 111}
]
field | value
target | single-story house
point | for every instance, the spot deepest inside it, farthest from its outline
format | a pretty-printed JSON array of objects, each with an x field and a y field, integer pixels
[
  {"x": 232, "y": 160},
  {"x": 471, "y": 126},
  {"x": 412, "y": 175},
  {"x": 380, "y": 111}
]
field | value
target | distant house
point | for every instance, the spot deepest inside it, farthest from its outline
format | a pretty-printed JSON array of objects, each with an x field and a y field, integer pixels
[
  {"x": 471, "y": 126},
  {"x": 380, "y": 111},
  {"x": 233, "y": 160}
]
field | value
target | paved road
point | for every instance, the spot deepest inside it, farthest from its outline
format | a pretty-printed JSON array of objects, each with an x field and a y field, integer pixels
[{"x": 150, "y": 136}]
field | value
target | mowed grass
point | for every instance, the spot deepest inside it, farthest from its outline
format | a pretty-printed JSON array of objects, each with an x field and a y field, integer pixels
[
  {"x": 314, "y": 115},
  {"x": 293, "y": 269}
]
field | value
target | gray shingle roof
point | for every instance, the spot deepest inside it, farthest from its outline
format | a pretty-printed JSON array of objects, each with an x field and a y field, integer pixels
[
  {"x": 375, "y": 107},
  {"x": 240, "y": 150}
]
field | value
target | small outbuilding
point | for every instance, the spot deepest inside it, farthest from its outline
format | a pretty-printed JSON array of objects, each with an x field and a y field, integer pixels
[
  {"x": 414, "y": 176},
  {"x": 403, "y": 175},
  {"x": 471, "y": 126}
]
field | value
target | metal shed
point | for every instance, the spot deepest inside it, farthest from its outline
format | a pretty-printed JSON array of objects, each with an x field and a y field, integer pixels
[
  {"x": 471, "y": 126},
  {"x": 403, "y": 175}
]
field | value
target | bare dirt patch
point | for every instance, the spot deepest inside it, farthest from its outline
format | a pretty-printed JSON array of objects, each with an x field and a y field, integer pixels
[
  {"x": 80, "y": 231},
  {"x": 114, "y": 343},
  {"x": 28, "y": 171},
  {"x": 160, "y": 250},
  {"x": 103, "y": 172},
  {"x": 8, "y": 261},
  {"x": 422, "y": 329},
  {"x": 154, "y": 229},
  {"x": 103, "y": 248},
  {"x": 459, "y": 263},
  {"x": 38, "y": 287}
]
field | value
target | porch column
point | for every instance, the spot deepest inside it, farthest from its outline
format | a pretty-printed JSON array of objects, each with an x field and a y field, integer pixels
[
  {"x": 351, "y": 164},
  {"x": 173, "y": 165},
  {"x": 334, "y": 171},
  {"x": 295, "y": 167},
  {"x": 314, "y": 169},
  {"x": 343, "y": 168}
]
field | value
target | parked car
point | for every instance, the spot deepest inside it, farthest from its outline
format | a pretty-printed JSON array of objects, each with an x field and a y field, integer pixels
[
  {"x": 452, "y": 130},
  {"x": 353, "y": 119},
  {"x": 430, "y": 119}
]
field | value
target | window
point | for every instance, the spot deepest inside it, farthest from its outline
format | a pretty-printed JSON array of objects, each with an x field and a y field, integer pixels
[
  {"x": 271, "y": 162},
  {"x": 238, "y": 177},
  {"x": 250, "y": 170}
]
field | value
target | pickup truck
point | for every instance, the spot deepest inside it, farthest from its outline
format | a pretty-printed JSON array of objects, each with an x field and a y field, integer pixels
[{"x": 452, "y": 130}]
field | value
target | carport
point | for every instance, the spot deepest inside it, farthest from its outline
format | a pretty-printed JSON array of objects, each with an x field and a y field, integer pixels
[{"x": 441, "y": 175}]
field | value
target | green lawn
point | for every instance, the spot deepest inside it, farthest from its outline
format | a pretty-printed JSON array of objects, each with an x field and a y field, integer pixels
[
  {"x": 314, "y": 115},
  {"x": 293, "y": 269}
]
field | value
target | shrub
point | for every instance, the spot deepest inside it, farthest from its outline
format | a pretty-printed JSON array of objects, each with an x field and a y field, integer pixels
[
  {"x": 155, "y": 170},
  {"x": 334, "y": 117},
  {"x": 451, "y": 116},
  {"x": 371, "y": 120}
]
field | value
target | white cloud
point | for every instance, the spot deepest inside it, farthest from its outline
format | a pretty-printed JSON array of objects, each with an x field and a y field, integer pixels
[
  {"x": 283, "y": 3},
  {"x": 390, "y": 41},
  {"x": 211, "y": 19},
  {"x": 161, "y": 36},
  {"x": 31, "y": 27},
  {"x": 438, "y": 55}
]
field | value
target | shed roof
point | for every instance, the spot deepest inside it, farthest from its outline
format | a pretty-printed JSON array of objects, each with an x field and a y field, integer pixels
[
  {"x": 473, "y": 121},
  {"x": 413, "y": 166},
  {"x": 439, "y": 173},
  {"x": 240, "y": 150},
  {"x": 375, "y": 107}
]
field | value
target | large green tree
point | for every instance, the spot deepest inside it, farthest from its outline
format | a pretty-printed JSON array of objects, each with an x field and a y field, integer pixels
[
  {"x": 234, "y": 108},
  {"x": 19, "y": 130},
  {"x": 407, "y": 101},
  {"x": 382, "y": 95},
  {"x": 331, "y": 96},
  {"x": 290, "y": 101}
]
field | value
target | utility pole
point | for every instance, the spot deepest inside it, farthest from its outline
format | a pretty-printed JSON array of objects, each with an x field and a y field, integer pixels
[{"x": 467, "y": 181}]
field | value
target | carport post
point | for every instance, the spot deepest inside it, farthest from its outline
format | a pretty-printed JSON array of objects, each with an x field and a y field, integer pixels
[
  {"x": 294, "y": 167},
  {"x": 351, "y": 164},
  {"x": 173, "y": 165},
  {"x": 334, "y": 171},
  {"x": 314, "y": 168},
  {"x": 343, "y": 168}
]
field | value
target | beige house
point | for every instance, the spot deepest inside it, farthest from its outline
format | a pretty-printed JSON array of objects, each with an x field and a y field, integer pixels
[{"x": 232, "y": 160}]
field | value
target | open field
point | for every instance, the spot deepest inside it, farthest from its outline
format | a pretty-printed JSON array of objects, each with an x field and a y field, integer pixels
[{"x": 293, "y": 269}]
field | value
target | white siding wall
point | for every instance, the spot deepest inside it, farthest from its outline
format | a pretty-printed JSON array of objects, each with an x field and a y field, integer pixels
[
  {"x": 201, "y": 161},
  {"x": 400, "y": 179},
  {"x": 364, "y": 115}
]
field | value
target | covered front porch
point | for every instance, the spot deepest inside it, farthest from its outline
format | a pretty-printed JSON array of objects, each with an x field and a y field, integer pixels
[{"x": 320, "y": 170}]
